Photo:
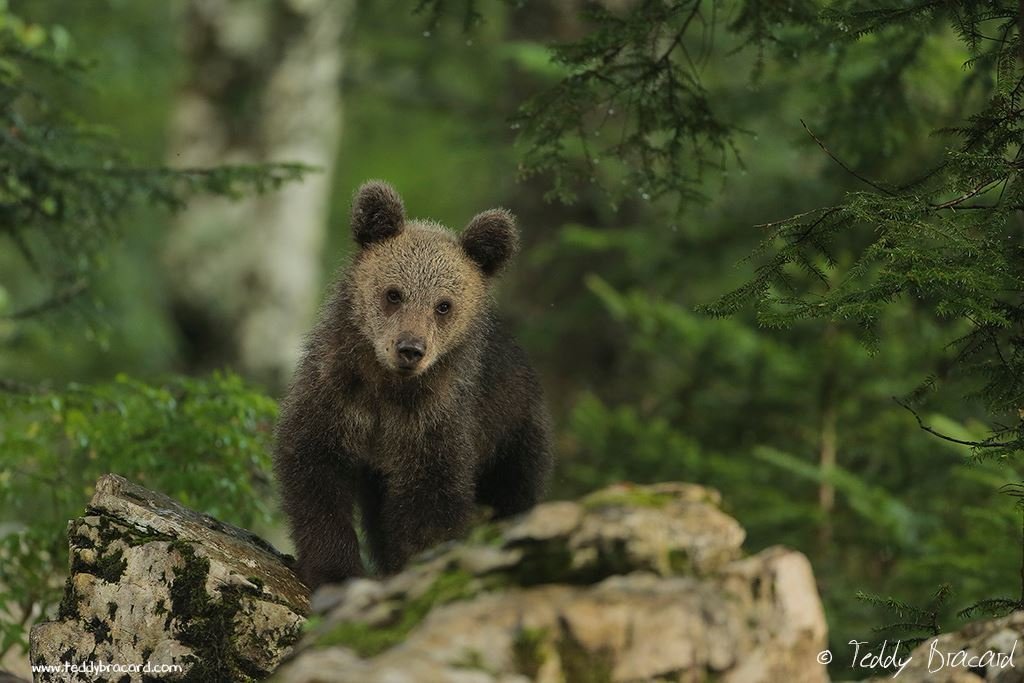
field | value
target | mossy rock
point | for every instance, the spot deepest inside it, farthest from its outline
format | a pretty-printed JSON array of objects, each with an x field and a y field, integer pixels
[{"x": 368, "y": 640}]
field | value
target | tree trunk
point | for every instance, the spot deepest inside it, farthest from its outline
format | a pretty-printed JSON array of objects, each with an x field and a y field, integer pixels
[{"x": 263, "y": 85}]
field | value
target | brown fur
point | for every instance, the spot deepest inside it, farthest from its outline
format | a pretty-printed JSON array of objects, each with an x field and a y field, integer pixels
[{"x": 414, "y": 446}]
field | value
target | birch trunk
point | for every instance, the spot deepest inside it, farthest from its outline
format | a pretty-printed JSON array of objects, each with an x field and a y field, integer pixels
[{"x": 263, "y": 85}]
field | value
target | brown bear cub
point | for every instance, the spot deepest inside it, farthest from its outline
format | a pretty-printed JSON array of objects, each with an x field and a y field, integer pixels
[{"x": 411, "y": 400}]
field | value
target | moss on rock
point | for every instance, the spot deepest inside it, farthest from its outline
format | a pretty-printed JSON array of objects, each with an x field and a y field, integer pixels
[
  {"x": 580, "y": 665},
  {"x": 547, "y": 561},
  {"x": 486, "y": 534},
  {"x": 368, "y": 640},
  {"x": 528, "y": 651},
  {"x": 110, "y": 567},
  {"x": 680, "y": 562},
  {"x": 206, "y": 625},
  {"x": 151, "y": 578},
  {"x": 627, "y": 497},
  {"x": 68, "y": 608}
]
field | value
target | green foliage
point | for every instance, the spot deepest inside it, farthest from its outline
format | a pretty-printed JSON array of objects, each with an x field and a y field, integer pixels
[
  {"x": 66, "y": 189},
  {"x": 633, "y": 98},
  {"x": 873, "y": 504},
  {"x": 948, "y": 240},
  {"x": 609, "y": 437},
  {"x": 920, "y": 623},
  {"x": 924, "y": 270},
  {"x": 436, "y": 10},
  {"x": 204, "y": 442},
  {"x": 1001, "y": 606},
  {"x": 65, "y": 184},
  {"x": 899, "y": 239}
]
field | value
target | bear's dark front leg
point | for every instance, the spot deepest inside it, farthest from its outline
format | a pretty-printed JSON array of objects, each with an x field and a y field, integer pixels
[
  {"x": 372, "y": 490},
  {"x": 514, "y": 478},
  {"x": 317, "y": 497},
  {"x": 424, "y": 506}
]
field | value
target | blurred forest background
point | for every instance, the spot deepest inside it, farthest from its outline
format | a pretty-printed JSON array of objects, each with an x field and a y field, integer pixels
[{"x": 174, "y": 187}]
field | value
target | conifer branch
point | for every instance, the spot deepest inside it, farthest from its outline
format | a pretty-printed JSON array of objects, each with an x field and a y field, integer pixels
[
  {"x": 973, "y": 193},
  {"x": 58, "y": 299},
  {"x": 846, "y": 168},
  {"x": 944, "y": 437}
]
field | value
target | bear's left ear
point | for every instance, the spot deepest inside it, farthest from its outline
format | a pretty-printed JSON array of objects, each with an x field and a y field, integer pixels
[
  {"x": 491, "y": 239},
  {"x": 377, "y": 213}
]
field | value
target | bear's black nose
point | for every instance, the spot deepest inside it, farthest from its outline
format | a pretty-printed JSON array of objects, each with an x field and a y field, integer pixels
[{"x": 410, "y": 351}]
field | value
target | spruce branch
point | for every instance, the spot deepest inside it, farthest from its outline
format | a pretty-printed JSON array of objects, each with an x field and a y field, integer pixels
[
  {"x": 56, "y": 300},
  {"x": 945, "y": 437},
  {"x": 981, "y": 188},
  {"x": 844, "y": 166}
]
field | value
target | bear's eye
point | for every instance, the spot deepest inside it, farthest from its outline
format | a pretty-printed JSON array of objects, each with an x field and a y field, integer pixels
[
  {"x": 393, "y": 296},
  {"x": 443, "y": 308}
]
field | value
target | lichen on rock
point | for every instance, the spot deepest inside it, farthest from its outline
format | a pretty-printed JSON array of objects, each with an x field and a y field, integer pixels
[
  {"x": 153, "y": 582},
  {"x": 630, "y": 584}
]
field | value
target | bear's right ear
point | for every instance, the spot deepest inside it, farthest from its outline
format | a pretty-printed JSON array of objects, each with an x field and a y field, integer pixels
[{"x": 377, "y": 213}]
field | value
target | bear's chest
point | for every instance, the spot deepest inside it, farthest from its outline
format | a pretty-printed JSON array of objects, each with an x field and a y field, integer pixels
[{"x": 391, "y": 434}]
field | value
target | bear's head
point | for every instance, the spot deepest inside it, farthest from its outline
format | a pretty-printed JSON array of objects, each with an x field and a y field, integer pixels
[{"x": 418, "y": 289}]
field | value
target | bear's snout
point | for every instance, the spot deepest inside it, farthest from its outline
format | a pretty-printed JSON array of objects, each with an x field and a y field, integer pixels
[{"x": 410, "y": 351}]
